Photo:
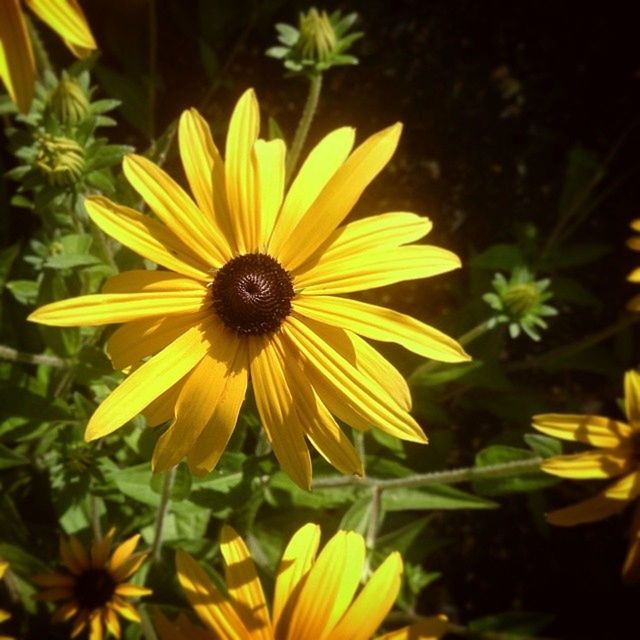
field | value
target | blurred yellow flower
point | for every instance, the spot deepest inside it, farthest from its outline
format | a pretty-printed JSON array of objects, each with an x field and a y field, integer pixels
[
  {"x": 616, "y": 455},
  {"x": 634, "y": 276},
  {"x": 251, "y": 294},
  {"x": 17, "y": 63},
  {"x": 4, "y": 615},
  {"x": 93, "y": 585},
  {"x": 314, "y": 597}
]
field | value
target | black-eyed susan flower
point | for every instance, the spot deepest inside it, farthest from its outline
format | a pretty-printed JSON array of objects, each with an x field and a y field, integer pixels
[
  {"x": 17, "y": 63},
  {"x": 4, "y": 615},
  {"x": 616, "y": 455},
  {"x": 253, "y": 290},
  {"x": 317, "y": 595},
  {"x": 634, "y": 276},
  {"x": 93, "y": 585}
]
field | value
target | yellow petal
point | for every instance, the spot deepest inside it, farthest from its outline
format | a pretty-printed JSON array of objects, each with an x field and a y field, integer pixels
[
  {"x": 208, "y": 603},
  {"x": 635, "y": 224},
  {"x": 146, "y": 383},
  {"x": 627, "y": 488},
  {"x": 125, "y": 609},
  {"x": 17, "y": 65},
  {"x": 370, "y": 608},
  {"x": 276, "y": 408},
  {"x": 595, "y": 430},
  {"x": 634, "y": 243},
  {"x": 101, "y": 548},
  {"x": 634, "y": 303},
  {"x": 134, "y": 341},
  {"x": 318, "y": 168},
  {"x": 129, "y": 590},
  {"x": 53, "y": 580},
  {"x": 122, "y": 553},
  {"x": 111, "y": 622},
  {"x": 381, "y": 324},
  {"x": 65, "y": 612},
  {"x": 431, "y": 628},
  {"x": 269, "y": 169},
  {"x": 211, "y": 443},
  {"x": 372, "y": 269},
  {"x": 69, "y": 558},
  {"x": 240, "y": 172},
  {"x": 590, "y": 510},
  {"x": 243, "y": 584},
  {"x": 147, "y": 237},
  {"x": 96, "y": 631},
  {"x": 631, "y": 567},
  {"x": 338, "y": 197},
  {"x": 197, "y": 401},
  {"x": 57, "y": 593},
  {"x": 162, "y": 409},
  {"x": 384, "y": 231},
  {"x": 295, "y": 564},
  {"x": 591, "y": 464},
  {"x": 323, "y": 348},
  {"x": 176, "y": 209},
  {"x": 335, "y": 575},
  {"x": 634, "y": 276},
  {"x": 67, "y": 19},
  {"x": 632, "y": 396},
  {"x": 143, "y": 280},
  {"x": 104, "y": 308}
]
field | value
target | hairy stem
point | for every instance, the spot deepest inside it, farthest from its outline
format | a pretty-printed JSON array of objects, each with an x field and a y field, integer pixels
[
  {"x": 161, "y": 516},
  {"x": 9, "y": 353}
]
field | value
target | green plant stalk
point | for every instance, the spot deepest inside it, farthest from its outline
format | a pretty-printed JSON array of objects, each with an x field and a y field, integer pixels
[
  {"x": 13, "y": 355},
  {"x": 309, "y": 111},
  {"x": 96, "y": 527},
  {"x": 161, "y": 515},
  {"x": 449, "y": 476}
]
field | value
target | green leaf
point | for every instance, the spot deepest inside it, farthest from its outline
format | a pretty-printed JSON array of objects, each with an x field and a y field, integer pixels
[
  {"x": 181, "y": 483},
  {"x": 544, "y": 446},
  {"x": 512, "y": 625},
  {"x": 425, "y": 376},
  {"x": 24, "y": 291},
  {"x": 573, "y": 255},
  {"x": 70, "y": 261},
  {"x": 9, "y": 458},
  {"x": 435, "y": 496},
  {"x": 357, "y": 516},
  {"x": 7, "y": 256},
  {"x": 499, "y": 257}
]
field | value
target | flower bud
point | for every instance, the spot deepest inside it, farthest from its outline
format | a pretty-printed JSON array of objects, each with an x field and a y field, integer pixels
[
  {"x": 68, "y": 102},
  {"x": 317, "y": 36},
  {"x": 60, "y": 160}
]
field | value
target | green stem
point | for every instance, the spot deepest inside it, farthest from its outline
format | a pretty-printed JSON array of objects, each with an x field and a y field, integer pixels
[
  {"x": 374, "y": 516},
  {"x": 9, "y": 353},
  {"x": 161, "y": 516},
  {"x": 315, "y": 86},
  {"x": 450, "y": 476},
  {"x": 145, "y": 623},
  {"x": 96, "y": 527}
]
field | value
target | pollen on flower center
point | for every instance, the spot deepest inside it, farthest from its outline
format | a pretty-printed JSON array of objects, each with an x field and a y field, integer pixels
[
  {"x": 94, "y": 588},
  {"x": 252, "y": 294}
]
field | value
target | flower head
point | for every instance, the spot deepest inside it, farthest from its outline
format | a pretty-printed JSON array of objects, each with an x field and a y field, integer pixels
[
  {"x": 17, "y": 63},
  {"x": 634, "y": 276},
  {"x": 93, "y": 585},
  {"x": 616, "y": 455},
  {"x": 251, "y": 292},
  {"x": 314, "y": 597}
]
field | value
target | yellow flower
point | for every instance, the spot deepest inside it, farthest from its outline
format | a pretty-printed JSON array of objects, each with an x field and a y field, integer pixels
[
  {"x": 17, "y": 64},
  {"x": 616, "y": 455},
  {"x": 314, "y": 597},
  {"x": 251, "y": 292},
  {"x": 93, "y": 585},
  {"x": 4, "y": 615},
  {"x": 634, "y": 276}
]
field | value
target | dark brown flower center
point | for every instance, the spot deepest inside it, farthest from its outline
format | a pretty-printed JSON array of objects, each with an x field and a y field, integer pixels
[
  {"x": 94, "y": 588},
  {"x": 252, "y": 294}
]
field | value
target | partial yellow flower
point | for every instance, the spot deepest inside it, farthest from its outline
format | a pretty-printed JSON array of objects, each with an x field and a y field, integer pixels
[
  {"x": 616, "y": 455},
  {"x": 93, "y": 585},
  {"x": 252, "y": 292},
  {"x": 314, "y": 597},
  {"x": 4, "y": 615},
  {"x": 17, "y": 63},
  {"x": 634, "y": 276}
]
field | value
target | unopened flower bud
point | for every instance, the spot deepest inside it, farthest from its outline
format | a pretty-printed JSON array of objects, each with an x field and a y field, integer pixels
[
  {"x": 68, "y": 102},
  {"x": 60, "y": 160},
  {"x": 317, "y": 36}
]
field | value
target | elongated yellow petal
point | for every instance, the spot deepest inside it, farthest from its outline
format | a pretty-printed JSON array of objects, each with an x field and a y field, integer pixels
[
  {"x": 144, "y": 280},
  {"x": 147, "y": 237},
  {"x": 134, "y": 341},
  {"x": 104, "y": 308},
  {"x": 125, "y": 609},
  {"x": 627, "y": 488},
  {"x": 634, "y": 276},
  {"x": 17, "y": 65},
  {"x": 240, "y": 176},
  {"x": 269, "y": 168},
  {"x": 384, "y": 231},
  {"x": 197, "y": 401},
  {"x": 376, "y": 268},
  {"x": 335, "y": 574},
  {"x": 149, "y": 381},
  {"x": 243, "y": 584},
  {"x": 176, "y": 209},
  {"x": 318, "y": 168},
  {"x": 209, "y": 604},
  {"x": 338, "y": 197},
  {"x": 67, "y": 19},
  {"x": 379, "y": 323},
  {"x": 370, "y": 608},
  {"x": 295, "y": 564},
  {"x": 431, "y": 628},
  {"x": 322, "y": 347},
  {"x": 132, "y": 590},
  {"x": 591, "y": 510},
  {"x": 210, "y": 445},
  {"x": 276, "y": 408},
  {"x": 632, "y": 397},
  {"x": 162, "y": 409},
  {"x": 123, "y": 552},
  {"x": 595, "y": 430},
  {"x": 100, "y": 549},
  {"x": 73, "y": 563},
  {"x": 52, "y": 580},
  {"x": 111, "y": 622},
  {"x": 591, "y": 464}
]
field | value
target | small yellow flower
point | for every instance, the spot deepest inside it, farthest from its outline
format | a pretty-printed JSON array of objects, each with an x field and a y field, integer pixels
[
  {"x": 314, "y": 597},
  {"x": 93, "y": 585},
  {"x": 634, "y": 276},
  {"x": 17, "y": 63},
  {"x": 4, "y": 615},
  {"x": 616, "y": 455},
  {"x": 251, "y": 293}
]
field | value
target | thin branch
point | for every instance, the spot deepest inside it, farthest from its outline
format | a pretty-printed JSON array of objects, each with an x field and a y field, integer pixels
[{"x": 9, "y": 353}]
